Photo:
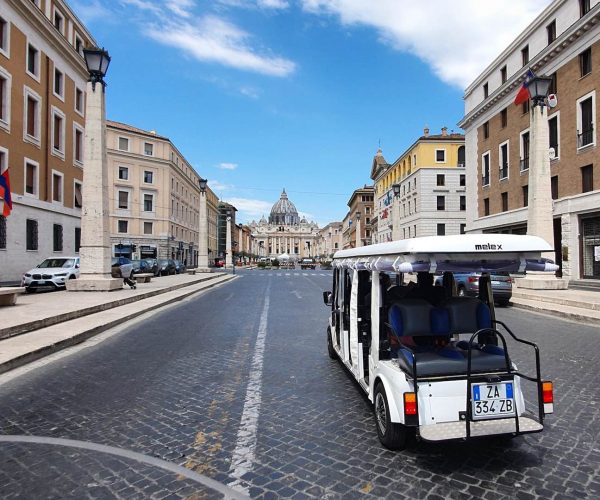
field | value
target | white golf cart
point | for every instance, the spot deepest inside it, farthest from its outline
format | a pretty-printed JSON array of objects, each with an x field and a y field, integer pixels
[{"x": 429, "y": 360}]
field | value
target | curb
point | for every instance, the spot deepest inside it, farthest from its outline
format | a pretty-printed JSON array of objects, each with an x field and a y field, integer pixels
[
  {"x": 87, "y": 334},
  {"x": 13, "y": 331},
  {"x": 554, "y": 312},
  {"x": 558, "y": 301}
]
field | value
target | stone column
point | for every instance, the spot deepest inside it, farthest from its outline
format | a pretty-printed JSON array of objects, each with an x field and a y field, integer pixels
[
  {"x": 228, "y": 256},
  {"x": 95, "y": 251},
  {"x": 396, "y": 219},
  {"x": 203, "y": 235},
  {"x": 358, "y": 238}
]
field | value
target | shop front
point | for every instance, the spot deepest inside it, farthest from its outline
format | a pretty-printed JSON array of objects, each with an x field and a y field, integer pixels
[{"x": 590, "y": 247}]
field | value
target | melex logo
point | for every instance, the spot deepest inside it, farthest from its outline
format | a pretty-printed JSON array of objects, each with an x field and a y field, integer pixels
[{"x": 488, "y": 246}]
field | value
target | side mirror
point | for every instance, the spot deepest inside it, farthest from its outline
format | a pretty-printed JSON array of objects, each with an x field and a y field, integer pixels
[
  {"x": 327, "y": 298},
  {"x": 76, "y": 266}
]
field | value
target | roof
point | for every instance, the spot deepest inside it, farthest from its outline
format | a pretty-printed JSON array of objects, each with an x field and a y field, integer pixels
[{"x": 135, "y": 130}]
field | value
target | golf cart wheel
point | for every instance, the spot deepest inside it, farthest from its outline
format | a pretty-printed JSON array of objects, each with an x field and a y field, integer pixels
[{"x": 392, "y": 435}]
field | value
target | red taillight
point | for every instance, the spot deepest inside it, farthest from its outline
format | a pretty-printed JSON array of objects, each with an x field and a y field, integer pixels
[
  {"x": 472, "y": 279},
  {"x": 410, "y": 403},
  {"x": 547, "y": 392}
]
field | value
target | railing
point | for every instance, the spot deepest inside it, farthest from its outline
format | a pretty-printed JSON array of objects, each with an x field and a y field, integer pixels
[
  {"x": 524, "y": 164},
  {"x": 504, "y": 171},
  {"x": 586, "y": 137}
]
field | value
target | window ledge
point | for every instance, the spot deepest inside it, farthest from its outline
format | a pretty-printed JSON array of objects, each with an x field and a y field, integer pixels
[
  {"x": 587, "y": 147},
  {"x": 32, "y": 140}
]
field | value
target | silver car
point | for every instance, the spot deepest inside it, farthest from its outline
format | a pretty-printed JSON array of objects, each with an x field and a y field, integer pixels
[{"x": 52, "y": 274}]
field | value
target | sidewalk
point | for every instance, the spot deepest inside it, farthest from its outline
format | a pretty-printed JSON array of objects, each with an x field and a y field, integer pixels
[{"x": 44, "y": 322}]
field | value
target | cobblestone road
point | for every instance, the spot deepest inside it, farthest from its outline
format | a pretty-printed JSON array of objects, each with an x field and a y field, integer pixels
[{"x": 176, "y": 388}]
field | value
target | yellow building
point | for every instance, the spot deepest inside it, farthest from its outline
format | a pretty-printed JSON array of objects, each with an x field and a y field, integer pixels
[{"x": 431, "y": 177}]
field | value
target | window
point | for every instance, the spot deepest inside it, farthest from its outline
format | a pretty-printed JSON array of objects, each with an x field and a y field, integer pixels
[
  {"x": 32, "y": 116},
  {"x": 504, "y": 201},
  {"x": 586, "y": 115},
  {"x": 57, "y": 187},
  {"x": 5, "y": 90},
  {"x": 585, "y": 62},
  {"x": 31, "y": 239},
  {"x": 441, "y": 229},
  {"x": 524, "y": 153},
  {"x": 554, "y": 187},
  {"x": 440, "y": 155},
  {"x": 486, "y": 92},
  {"x": 58, "y": 132},
  {"x": 525, "y": 107},
  {"x": 148, "y": 203},
  {"x": 122, "y": 225},
  {"x": 148, "y": 176},
  {"x": 33, "y": 61},
  {"x": 587, "y": 178},
  {"x": 463, "y": 227},
  {"x": 553, "y": 133},
  {"x": 486, "y": 206},
  {"x": 148, "y": 149},
  {"x": 462, "y": 181},
  {"x": 79, "y": 100},
  {"x": 503, "y": 157},
  {"x": 78, "y": 44},
  {"x": 525, "y": 55},
  {"x": 77, "y": 145},
  {"x": 525, "y": 196},
  {"x": 486, "y": 130},
  {"x": 584, "y": 7},
  {"x": 31, "y": 177},
  {"x": 503, "y": 74},
  {"x": 463, "y": 203},
  {"x": 78, "y": 201},
  {"x": 551, "y": 32},
  {"x": 2, "y": 232},
  {"x": 123, "y": 173},
  {"x": 77, "y": 238},
  {"x": 441, "y": 203},
  {"x": 503, "y": 117},
  {"x": 485, "y": 168},
  {"x": 123, "y": 144},
  {"x": 441, "y": 180},
  {"x": 57, "y": 233},
  {"x": 4, "y": 36},
  {"x": 59, "y": 20},
  {"x": 59, "y": 84},
  {"x": 147, "y": 227},
  {"x": 124, "y": 200}
]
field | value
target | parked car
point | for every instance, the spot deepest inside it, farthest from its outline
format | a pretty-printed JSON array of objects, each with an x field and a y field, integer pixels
[
  {"x": 467, "y": 284},
  {"x": 166, "y": 267},
  {"x": 308, "y": 264},
  {"x": 121, "y": 267},
  {"x": 140, "y": 266},
  {"x": 153, "y": 266},
  {"x": 180, "y": 267},
  {"x": 219, "y": 262},
  {"x": 51, "y": 274}
]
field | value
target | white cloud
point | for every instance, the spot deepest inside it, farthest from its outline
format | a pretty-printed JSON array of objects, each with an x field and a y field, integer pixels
[
  {"x": 252, "y": 4},
  {"x": 457, "y": 40},
  {"x": 251, "y": 208},
  {"x": 227, "y": 166},
  {"x": 215, "y": 40},
  {"x": 180, "y": 7},
  {"x": 89, "y": 11},
  {"x": 219, "y": 187},
  {"x": 273, "y": 4}
]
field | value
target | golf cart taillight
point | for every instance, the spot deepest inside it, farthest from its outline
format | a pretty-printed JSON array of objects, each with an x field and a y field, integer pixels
[
  {"x": 410, "y": 403},
  {"x": 472, "y": 279},
  {"x": 547, "y": 392}
]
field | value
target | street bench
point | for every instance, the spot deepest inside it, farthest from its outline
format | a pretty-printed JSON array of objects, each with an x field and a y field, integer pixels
[
  {"x": 143, "y": 277},
  {"x": 8, "y": 295},
  {"x": 191, "y": 271}
]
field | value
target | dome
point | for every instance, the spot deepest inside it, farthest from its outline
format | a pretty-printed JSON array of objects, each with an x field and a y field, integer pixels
[{"x": 284, "y": 212}]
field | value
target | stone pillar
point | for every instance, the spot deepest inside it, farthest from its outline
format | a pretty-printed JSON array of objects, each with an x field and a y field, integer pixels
[
  {"x": 228, "y": 256},
  {"x": 396, "y": 219},
  {"x": 203, "y": 235},
  {"x": 95, "y": 251},
  {"x": 358, "y": 238}
]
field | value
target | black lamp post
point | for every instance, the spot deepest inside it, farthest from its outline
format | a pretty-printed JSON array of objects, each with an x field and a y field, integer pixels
[
  {"x": 538, "y": 88},
  {"x": 396, "y": 212},
  {"x": 97, "y": 61},
  {"x": 202, "y": 183}
]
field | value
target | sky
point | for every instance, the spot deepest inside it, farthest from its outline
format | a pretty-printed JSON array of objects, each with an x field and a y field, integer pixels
[{"x": 261, "y": 95}]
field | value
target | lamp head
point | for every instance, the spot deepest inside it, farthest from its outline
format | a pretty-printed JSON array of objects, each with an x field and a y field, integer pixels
[
  {"x": 538, "y": 88},
  {"x": 202, "y": 183},
  {"x": 396, "y": 188},
  {"x": 96, "y": 61}
]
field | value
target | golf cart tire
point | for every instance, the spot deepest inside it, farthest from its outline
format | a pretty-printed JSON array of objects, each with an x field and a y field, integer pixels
[{"x": 392, "y": 435}]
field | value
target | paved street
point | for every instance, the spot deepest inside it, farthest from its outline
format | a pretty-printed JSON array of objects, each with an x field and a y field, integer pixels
[{"x": 236, "y": 385}]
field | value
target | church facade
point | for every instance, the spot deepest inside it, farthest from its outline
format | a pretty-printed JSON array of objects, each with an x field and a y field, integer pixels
[{"x": 285, "y": 232}]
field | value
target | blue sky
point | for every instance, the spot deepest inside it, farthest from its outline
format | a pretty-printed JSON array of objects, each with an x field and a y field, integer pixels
[{"x": 259, "y": 95}]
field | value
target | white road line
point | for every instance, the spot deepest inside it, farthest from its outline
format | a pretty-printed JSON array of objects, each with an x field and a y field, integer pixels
[
  {"x": 242, "y": 459},
  {"x": 297, "y": 294}
]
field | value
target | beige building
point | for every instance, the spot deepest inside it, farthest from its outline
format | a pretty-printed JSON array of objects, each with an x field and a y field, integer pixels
[
  {"x": 563, "y": 43},
  {"x": 361, "y": 205},
  {"x": 155, "y": 197},
  {"x": 42, "y": 115},
  {"x": 329, "y": 240}
]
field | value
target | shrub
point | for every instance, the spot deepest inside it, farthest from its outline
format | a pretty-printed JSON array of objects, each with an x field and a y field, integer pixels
[{"x": 275, "y": 263}]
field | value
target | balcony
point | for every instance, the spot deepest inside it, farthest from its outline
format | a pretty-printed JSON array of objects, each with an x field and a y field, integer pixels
[
  {"x": 586, "y": 137},
  {"x": 524, "y": 164},
  {"x": 485, "y": 180}
]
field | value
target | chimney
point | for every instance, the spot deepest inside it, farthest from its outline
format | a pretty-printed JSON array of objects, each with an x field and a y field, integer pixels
[
  {"x": 444, "y": 131},
  {"x": 426, "y": 131}
]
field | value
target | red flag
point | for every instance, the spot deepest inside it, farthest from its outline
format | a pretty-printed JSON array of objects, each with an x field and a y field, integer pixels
[
  {"x": 5, "y": 192},
  {"x": 523, "y": 94}
]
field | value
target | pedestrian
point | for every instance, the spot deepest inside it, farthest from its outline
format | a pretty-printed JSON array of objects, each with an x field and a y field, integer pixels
[{"x": 128, "y": 281}]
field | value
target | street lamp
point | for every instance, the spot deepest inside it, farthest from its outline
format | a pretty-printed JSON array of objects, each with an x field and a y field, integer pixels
[
  {"x": 539, "y": 204},
  {"x": 228, "y": 259},
  {"x": 203, "y": 229},
  {"x": 95, "y": 252},
  {"x": 396, "y": 212},
  {"x": 358, "y": 238}
]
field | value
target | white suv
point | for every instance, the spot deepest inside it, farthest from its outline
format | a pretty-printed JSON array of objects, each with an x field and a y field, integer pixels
[{"x": 53, "y": 274}]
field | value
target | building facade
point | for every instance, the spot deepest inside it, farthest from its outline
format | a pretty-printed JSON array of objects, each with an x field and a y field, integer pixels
[
  {"x": 564, "y": 43},
  {"x": 155, "y": 197},
  {"x": 329, "y": 240},
  {"x": 432, "y": 199},
  {"x": 42, "y": 116},
  {"x": 285, "y": 232},
  {"x": 360, "y": 213}
]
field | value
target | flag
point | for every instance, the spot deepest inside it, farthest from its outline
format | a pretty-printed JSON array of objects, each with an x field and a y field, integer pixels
[
  {"x": 5, "y": 192},
  {"x": 523, "y": 94}
]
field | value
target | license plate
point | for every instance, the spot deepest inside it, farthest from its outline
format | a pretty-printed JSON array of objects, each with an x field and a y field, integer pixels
[{"x": 492, "y": 400}]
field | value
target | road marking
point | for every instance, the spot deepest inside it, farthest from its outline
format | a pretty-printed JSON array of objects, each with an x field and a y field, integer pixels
[
  {"x": 229, "y": 297},
  {"x": 242, "y": 459},
  {"x": 295, "y": 292}
]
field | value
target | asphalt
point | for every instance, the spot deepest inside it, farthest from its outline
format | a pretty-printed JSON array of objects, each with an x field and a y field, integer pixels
[{"x": 45, "y": 322}]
